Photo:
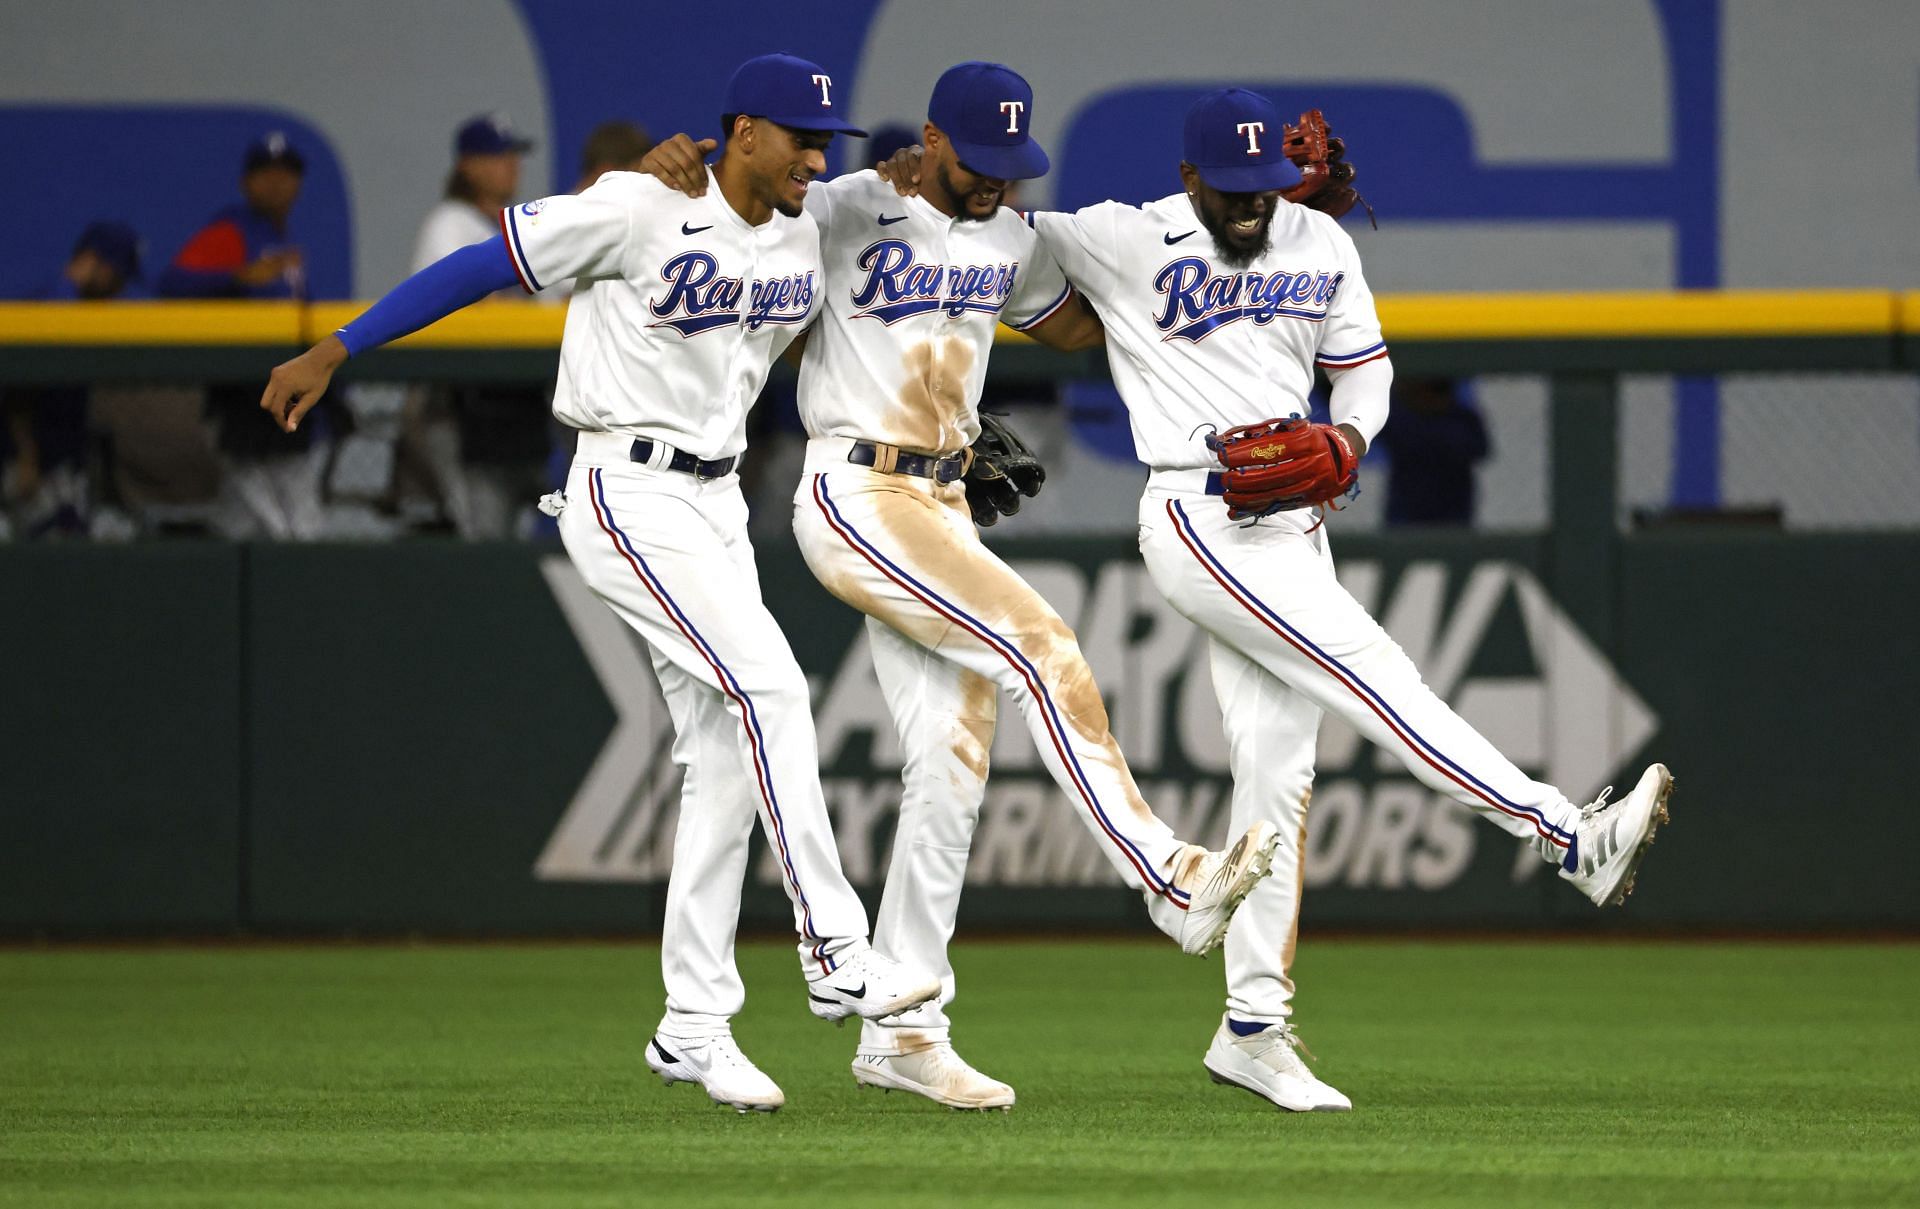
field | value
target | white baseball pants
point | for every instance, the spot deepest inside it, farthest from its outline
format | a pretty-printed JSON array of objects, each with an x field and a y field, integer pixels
[
  {"x": 1289, "y": 643},
  {"x": 669, "y": 554},
  {"x": 950, "y": 623}
]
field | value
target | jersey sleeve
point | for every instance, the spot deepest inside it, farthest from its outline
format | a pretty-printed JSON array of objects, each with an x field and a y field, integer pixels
[
  {"x": 1350, "y": 335},
  {"x": 1040, "y": 289},
  {"x": 1083, "y": 244},
  {"x": 583, "y": 235},
  {"x": 819, "y": 201}
]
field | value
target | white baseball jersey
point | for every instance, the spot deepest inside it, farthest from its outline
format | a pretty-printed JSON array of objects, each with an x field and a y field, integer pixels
[
  {"x": 451, "y": 225},
  {"x": 900, "y": 351},
  {"x": 680, "y": 309},
  {"x": 1198, "y": 347}
]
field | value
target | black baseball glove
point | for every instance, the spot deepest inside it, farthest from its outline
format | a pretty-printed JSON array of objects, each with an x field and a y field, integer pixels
[{"x": 1003, "y": 470}]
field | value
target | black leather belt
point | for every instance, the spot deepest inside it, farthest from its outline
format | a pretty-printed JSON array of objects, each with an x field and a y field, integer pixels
[
  {"x": 682, "y": 461},
  {"x": 920, "y": 465}
]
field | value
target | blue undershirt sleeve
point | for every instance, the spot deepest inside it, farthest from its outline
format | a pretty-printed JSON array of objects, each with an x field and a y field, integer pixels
[{"x": 456, "y": 280}]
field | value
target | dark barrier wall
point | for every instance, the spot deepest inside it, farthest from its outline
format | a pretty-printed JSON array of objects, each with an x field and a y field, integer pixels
[
  {"x": 455, "y": 738},
  {"x": 122, "y": 729}
]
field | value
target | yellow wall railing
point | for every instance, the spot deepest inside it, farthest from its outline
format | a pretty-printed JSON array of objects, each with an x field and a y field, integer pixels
[{"x": 1685, "y": 314}]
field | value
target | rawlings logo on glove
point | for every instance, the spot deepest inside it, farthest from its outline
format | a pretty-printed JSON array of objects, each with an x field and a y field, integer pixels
[{"x": 1309, "y": 464}]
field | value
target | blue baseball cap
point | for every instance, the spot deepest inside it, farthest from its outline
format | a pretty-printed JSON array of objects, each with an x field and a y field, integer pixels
[
  {"x": 986, "y": 112},
  {"x": 888, "y": 139},
  {"x": 270, "y": 149},
  {"x": 1236, "y": 139},
  {"x": 489, "y": 134},
  {"x": 116, "y": 243},
  {"x": 792, "y": 91}
]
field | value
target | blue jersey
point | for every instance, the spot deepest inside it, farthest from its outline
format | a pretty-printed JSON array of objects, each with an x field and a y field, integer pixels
[{"x": 235, "y": 238}]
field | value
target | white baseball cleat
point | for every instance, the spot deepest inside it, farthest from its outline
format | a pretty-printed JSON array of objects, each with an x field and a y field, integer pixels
[
  {"x": 865, "y": 983},
  {"x": 1217, "y": 882},
  {"x": 936, "y": 1072},
  {"x": 1269, "y": 1065},
  {"x": 1613, "y": 837},
  {"x": 716, "y": 1064}
]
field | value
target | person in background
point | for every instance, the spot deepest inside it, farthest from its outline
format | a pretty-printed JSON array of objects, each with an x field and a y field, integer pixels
[
  {"x": 487, "y": 153},
  {"x": 614, "y": 146},
  {"x": 269, "y": 486},
  {"x": 44, "y": 439},
  {"x": 1432, "y": 437},
  {"x": 248, "y": 250},
  {"x": 105, "y": 263},
  {"x": 478, "y": 449},
  {"x": 885, "y": 141}
]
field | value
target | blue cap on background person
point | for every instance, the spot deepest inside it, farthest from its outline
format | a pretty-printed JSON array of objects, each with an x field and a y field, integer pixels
[
  {"x": 1237, "y": 140},
  {"x": 986, "y": 112},
  {"x": 489, "y": 134},
  {"x": 888, "y": 139},
  {"x": 273, "y": 149},
  {"x": 115, "y": 243},
  {"x": 789, "y": 90}
]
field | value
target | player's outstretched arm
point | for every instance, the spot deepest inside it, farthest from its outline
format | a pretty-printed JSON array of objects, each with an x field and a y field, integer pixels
[
  {"x": 457, "y": 280},
  {"x": 295, "y": 386},
  {"x": 680, "y": 163}
]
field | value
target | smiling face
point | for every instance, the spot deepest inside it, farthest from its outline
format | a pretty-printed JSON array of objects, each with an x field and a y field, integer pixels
[
  {"x": 955, "y": 189},
  {"x": 783, "y": 162},
  {"x": 1240, "y": 223}
]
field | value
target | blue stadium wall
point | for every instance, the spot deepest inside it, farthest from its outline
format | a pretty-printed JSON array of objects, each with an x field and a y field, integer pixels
[{"x": 1506, "y": 144}]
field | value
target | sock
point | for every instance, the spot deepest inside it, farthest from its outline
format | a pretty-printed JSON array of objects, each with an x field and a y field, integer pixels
[{"x": 1246, "y": 1028}]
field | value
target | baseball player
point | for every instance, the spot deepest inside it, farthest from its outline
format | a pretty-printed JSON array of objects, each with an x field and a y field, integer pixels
[
  {"x": 1217, "y": 304},
  {"x": 680, "y": 308},
  {"x": 889, "y": 387}
]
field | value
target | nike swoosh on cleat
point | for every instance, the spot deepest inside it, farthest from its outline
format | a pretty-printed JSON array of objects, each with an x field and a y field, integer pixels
[
  {"x": 888, "y": 222},
  {"x": 662, "y": 1051},
  {"x": 1171, "y": 238},
  {"x": 690, "y": 230},
  {"x": 856, "y": 993}
]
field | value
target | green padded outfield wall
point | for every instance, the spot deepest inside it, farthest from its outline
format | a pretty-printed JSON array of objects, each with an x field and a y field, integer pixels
[
  {"x": 453, "y": 739},
  {"x": 122, "y": 729}
]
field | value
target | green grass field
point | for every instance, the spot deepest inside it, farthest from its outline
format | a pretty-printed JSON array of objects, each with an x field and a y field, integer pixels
[{"x": 1482, "y": 1074}]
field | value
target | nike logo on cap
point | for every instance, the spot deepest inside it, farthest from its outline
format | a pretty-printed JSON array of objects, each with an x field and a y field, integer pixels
[
  {"x": 1171, "y": 238},
  {"x": 688, "y": 230},
  {"x": 888, "y": 222}
]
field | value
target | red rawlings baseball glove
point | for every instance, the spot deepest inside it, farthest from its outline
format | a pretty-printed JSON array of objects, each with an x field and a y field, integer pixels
[
  {"x": 1326, "y": 178},
  {"x": 1278, "y": 465}
]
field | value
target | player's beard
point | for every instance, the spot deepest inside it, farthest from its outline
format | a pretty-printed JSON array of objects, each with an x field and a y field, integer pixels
[
  {"x": 961, "y": 213},
  {"x": 1236, "y": 248}
]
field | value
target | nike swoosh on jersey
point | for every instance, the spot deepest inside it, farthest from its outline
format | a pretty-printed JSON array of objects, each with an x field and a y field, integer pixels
[
  {"x": 1171, "y": 238},
  {"x": 888, "y": 222},
  {"x": 687, "y": 230}
]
